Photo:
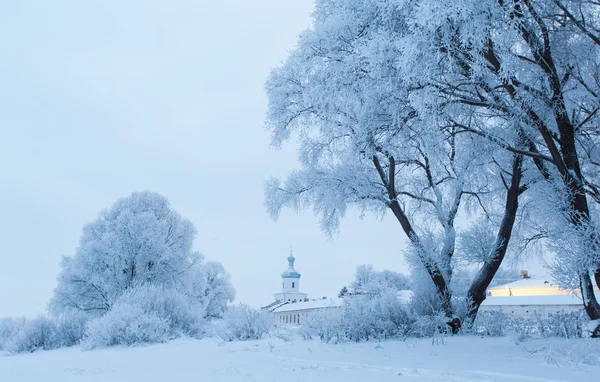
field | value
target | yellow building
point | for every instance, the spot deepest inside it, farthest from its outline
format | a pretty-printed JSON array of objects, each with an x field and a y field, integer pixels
[{"x": 532, "y": 295}]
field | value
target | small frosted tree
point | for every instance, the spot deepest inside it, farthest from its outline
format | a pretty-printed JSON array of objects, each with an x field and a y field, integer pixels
[
  {"x": 139, "y": 241},
  {"x": 218, "y": 291}
]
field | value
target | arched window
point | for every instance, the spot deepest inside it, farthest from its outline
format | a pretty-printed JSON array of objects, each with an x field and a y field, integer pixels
[{"x": 293, "y": 284}]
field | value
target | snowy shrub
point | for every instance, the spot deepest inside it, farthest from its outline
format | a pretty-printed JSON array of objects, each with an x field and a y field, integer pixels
[
  {"x": 305, "y": 331},
  {"x": 241, "y": 322},
  {"x": 9, "y": 328},
  {"x": 28, "y": 335},
  {"x": 39, "y": 333},
  {"x": 145, "y": 314},
  {"x": 568, "y": 325},
  {"x": 573, "y": 354},
  {"x": 124, "y": 325},
  {"x": 560, "y": 324},
  {"x": 491, "y": 323},
  {"x": 322, "y": 325},
  {"x": 376, "y": 317},
  {"x": 70, "y": 329},
  {"x": 183, "y": 315},
  {"x": 431, "y": 325},
  {"x": 358, "y": 319}
]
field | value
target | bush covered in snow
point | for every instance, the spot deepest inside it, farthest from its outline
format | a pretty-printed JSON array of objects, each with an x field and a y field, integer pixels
[
  {"x": 241, "y": 322},
  {"x": 561, "y": 324},
  {"x": 125, "y": 325},
  {"x": 9, "y": 328},
  {"x": 145, "y": 314},
  {"x": 376, "y": 317},
  {"x": 41, "y": 333},
  {"x": 324, "y": 326}
]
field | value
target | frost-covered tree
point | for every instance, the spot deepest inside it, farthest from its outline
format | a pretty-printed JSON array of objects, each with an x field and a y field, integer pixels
[
  {"x": 367, "y": 279},
  {"x": 218, "y": 291},
  {"x": 522, "y": 74},
  {"x": 139, "y": 241},
  {"x": 366, "y": 143}
]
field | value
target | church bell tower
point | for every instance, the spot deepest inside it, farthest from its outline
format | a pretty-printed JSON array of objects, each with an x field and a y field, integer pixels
[{"x": 290, "y": 287}]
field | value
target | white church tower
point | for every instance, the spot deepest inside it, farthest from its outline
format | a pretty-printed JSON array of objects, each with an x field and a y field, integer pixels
[{"x": 290, "y": 291}]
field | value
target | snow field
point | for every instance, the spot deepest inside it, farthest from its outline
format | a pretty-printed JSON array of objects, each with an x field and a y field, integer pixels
[{"x": 464, "y": 359}]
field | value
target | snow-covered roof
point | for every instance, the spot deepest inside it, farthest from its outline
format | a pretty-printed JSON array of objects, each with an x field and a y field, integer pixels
[
  {"x": 274, "y": 305},
  {"x": 559, "y": 299},
  {"x": 313, "y": 304},
  {"x": 534, "y": 286},
  {"x": 532, "y": 282}
]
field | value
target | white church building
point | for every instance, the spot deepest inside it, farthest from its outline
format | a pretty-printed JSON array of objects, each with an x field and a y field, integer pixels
[{"x": 292, "y": 307}]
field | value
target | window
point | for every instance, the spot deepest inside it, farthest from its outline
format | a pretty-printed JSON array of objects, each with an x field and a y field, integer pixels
[{"x": 293, "y": 284}]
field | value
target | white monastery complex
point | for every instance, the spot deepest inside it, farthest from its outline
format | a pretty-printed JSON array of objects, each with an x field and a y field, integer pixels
[{"x": 526, "y": 297}]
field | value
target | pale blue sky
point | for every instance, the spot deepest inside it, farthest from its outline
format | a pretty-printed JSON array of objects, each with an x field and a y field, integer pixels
[{"x": 102, "y": 98}]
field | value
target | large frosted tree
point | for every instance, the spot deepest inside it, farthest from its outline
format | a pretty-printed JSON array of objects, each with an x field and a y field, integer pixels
[
  {"x": 524, "y": 75},
  {"x": 365, "y": 143},
  {"x": 139, "y": 241}
]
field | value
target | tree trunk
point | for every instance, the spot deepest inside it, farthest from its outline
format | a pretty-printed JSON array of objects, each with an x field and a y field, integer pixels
[
  {"x": 476, "y": 294},
  {"x": 433, "y": 270}
]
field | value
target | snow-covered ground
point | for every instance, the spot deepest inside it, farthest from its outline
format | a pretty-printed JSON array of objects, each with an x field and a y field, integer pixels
[{"x": 272, "y": 359}]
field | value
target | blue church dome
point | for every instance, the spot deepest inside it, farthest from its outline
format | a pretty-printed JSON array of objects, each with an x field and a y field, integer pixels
[{"x": 291, "y": 272}]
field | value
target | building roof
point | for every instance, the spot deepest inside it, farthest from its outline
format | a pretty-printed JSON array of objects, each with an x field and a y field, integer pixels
[
  {"x": 533, "y": 291},
  {"x": 531, "y": 282},
  {"x": 559, "y": 299},
  {"x": 273, "y": 305},
  {"x": 533, "y": 286},
  {"x": 309, "y": 305}
]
